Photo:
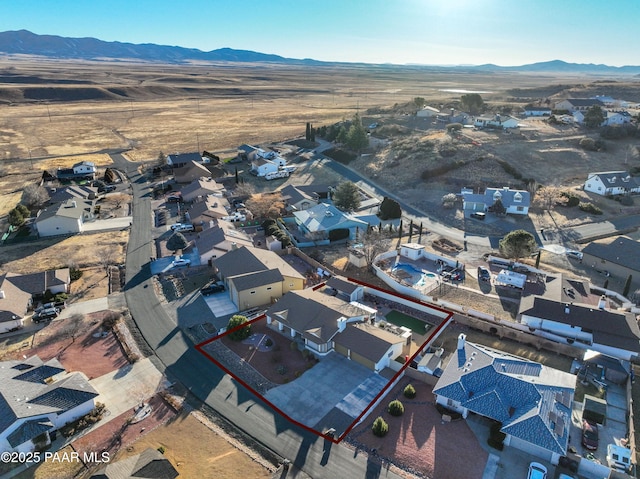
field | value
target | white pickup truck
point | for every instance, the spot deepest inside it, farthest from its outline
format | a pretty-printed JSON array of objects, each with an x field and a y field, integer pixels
[{"x": 235, "y": 217}]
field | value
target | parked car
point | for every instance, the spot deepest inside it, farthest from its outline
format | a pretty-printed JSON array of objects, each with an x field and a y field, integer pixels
[
  {"x": 54, "y": 305},
  {"x": 106, "y": 188},
  {"x": 484, "y": 274},
  {"x": 46, "y": 315},
  {"x": 479, "y": 215},
  {"x": 212, "y": 289},
  {"x": 182, "y": 227},
  {"x": 589, "y": 434},
  {"x": 537, "y": 471},
  {"x": 177, "y": 263},
  {"x": 574, "y": 254}
]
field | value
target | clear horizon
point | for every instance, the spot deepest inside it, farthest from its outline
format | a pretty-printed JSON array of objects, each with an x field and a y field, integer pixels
[{"x": 426, "y": 32}]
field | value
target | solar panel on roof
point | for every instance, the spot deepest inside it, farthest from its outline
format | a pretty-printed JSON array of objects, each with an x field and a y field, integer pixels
[{"x": 559, "y": 429}]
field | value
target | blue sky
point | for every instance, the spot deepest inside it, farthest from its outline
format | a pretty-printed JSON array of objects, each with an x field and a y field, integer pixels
[{"x": 505, "y": 32}]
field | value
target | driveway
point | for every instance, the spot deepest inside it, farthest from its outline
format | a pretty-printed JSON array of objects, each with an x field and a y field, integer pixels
[
  {"x": 220, "y": 304},
  {"x": 334, "y": 382},
  {"x": 127, "y": 387},
  {"x": 110, "y": 224}
]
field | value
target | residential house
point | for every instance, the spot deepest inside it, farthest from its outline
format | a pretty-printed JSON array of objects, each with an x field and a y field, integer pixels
[
  {"x": 298, "y": 198},
  {"x": 427, "y": 112},
  {"x": 533, "y": 110},
  {"x": 452, "y": 116},
  {"x": 612, "y": 183},
  {"x": 317, "y": 222},
  {"x": 255, "y": 277},
  {"x": 178, "y": 160},
  {"x": 220, "y": 239},
  {"x": 620, "y": 257},
  {"x": 566, "y": 311},
  {"x": 532, "y": 402},
  {"x": 17, "y": 292},
  {"x": 327, "y": 323},
  {"x": 190, "y": 171},
  {"x": 497, "y": 121},
  {"x": 72, "y": 192},
  {"x": 516, "y": 202},
  {"x": 211, "y": 209},
  {"x": 200, "y": 188},
  {"x": 81, "y": 170},
  {"x": 36, "y": 399},
  {"x": 578, "y": 104},
  {"x": 614, "y": 118},
  {"x": 64, "y": 218},
  {"x": 265, "y": 162},
  {"x": 150, "y": 463}
]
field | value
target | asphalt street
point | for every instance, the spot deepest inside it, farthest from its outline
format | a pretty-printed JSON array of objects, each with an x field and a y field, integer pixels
[{"x": 177, "y": 358}]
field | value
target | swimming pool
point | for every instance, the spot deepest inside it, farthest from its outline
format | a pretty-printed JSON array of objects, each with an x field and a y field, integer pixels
[{"x": 417, "y": 276}]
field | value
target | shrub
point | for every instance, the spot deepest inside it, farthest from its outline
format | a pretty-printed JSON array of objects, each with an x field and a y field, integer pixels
[
  {"x": 293, "y": 346},
  {"x": 454, "y": 127},
  {"x": 509, "y": 169},
  {"x": 572, "y": 198},
  {"x": 395, "y": 408},
  {"x": 338, "y": 234},
  {"x": 409, "y": 391},
  {"x": 340, "y": 155},
  {"x": 589, "y": 208},
  {"x": 282, "y": 370},
  {"x": 380, "y": 427},
  {"x": 237, "y": 321},
  {"x": 161, "y": 449},
  {"x": 588, "y": 144},
  {"x": 268, "y": 342},
  {"x": 389, "y": 209},
  {"x": 110, "y": 320},
  {"x": 75, "y": 274}
]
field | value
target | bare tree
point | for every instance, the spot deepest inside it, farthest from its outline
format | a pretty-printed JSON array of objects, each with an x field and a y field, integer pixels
[
  {"x": 373, "y": 243},
  {"x": 117, "y": 199},
  {"x": 73, "y": 327},
  {"x": 244, "y": 189},
  {"x": 548, "y": 197},
  {"x": 34, "y": 196},
  {"x": 266, "y": 205},
  {"x": 106, "y": 257}
]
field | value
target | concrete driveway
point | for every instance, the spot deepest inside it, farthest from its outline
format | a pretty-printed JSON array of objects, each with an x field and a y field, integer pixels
[
  {"x": 124, "y": 388},
  {"x": 220, "y": 304},
  {"x": 314, "y": 394}
]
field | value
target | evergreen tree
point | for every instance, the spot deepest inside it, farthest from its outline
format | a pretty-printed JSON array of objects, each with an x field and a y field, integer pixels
[
  {"x": 176, "y": 242},
  {"x": 357, "y": 138},
  {"x": 15, "y": 218},
  {"x": 346, "y": 196}
]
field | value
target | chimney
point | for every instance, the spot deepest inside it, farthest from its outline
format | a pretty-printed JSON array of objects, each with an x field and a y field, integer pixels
[
  {"x": 603, "y": 302},
  {"x": 462, "y": 356},
  {"x": 461, "y": 341},
  {"x": 2, "y": 294},
  {"x": 74, "y": 204},
  {"x": 234, "y": 246},
  {"x": 342, "y": 323},
  {"x": 566, "y": 309}
]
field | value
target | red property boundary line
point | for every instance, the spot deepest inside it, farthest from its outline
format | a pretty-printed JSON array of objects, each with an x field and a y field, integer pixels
[{"x": 384, "y": 390}]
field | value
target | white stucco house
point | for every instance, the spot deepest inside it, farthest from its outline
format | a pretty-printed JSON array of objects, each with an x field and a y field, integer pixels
[
  {"x": 67, "y": 217},
  {"x": 427, "y": 112},
  {"x": 612, "y": 183},
  {"x": 537, "y": 111},
  {"x": 38, "y": 398},
  {"x": 516, "y": 202}
]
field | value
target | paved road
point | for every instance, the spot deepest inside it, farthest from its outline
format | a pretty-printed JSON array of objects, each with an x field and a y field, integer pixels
[{"x": 176, "y": 357}]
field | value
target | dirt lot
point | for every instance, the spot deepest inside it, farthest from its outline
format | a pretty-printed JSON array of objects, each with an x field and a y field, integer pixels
[
  {"x": 74, "y": 345},
  {"x": 82, "y": 250},
  {"x": 419, "y": 441},
  {"x": 197, "y": 451}
]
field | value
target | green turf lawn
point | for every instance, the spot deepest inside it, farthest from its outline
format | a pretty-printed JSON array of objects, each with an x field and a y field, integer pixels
[{"x": 401, "y": 319}]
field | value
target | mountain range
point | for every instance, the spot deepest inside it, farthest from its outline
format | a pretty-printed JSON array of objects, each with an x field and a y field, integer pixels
[{"x": 24, "y": 42}]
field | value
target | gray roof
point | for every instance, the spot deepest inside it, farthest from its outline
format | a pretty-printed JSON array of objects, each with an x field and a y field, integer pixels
[
  {"x": 294, "y": 195},
  {"x": 616, "y": 179},
  {"x": 250, "y": 260},
  {"x": 77, "y": 192},
  {"x": 326, "y": 217},
  {"x": 537, "y": 108},
  {"x": 26, "y": 392},
  {"x": 149, "y": 464},
  {"x": 68, "y": 209},
  {"x": 609, "y": 328},
  {"x": 18, "y": 289},
  {"x": 531, "y": 401},
  {"x": 204, "y": 185},
  {"x": 508, "y": 196},
  {"x": 178, "y": 158},
  {"x": 342, "y": 285},
  {"x": 257, "y": 279},
  {"x": 368, "y": 341},
  {"x": 221, "y": 237},
  {"x": 622, "y": 251}
]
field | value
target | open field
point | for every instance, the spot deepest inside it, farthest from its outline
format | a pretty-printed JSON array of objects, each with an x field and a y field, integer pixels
[{"x": 81, "y": 250}]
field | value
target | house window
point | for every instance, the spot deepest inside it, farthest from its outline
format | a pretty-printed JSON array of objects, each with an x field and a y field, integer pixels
[
  {"x": 252, "y": 292},
  {"x": 520, "y": 208},
  {"x": 450, "y": 402},
  {"x": 268, "y": 288}
]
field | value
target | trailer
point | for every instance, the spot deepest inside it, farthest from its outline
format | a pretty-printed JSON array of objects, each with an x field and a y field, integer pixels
[
  {"x": 276, "y": 174},
  {"x": 511, "y": 278}
]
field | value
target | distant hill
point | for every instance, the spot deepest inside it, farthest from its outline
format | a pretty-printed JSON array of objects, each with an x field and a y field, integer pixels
[{"x": 26, "y": 43}]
